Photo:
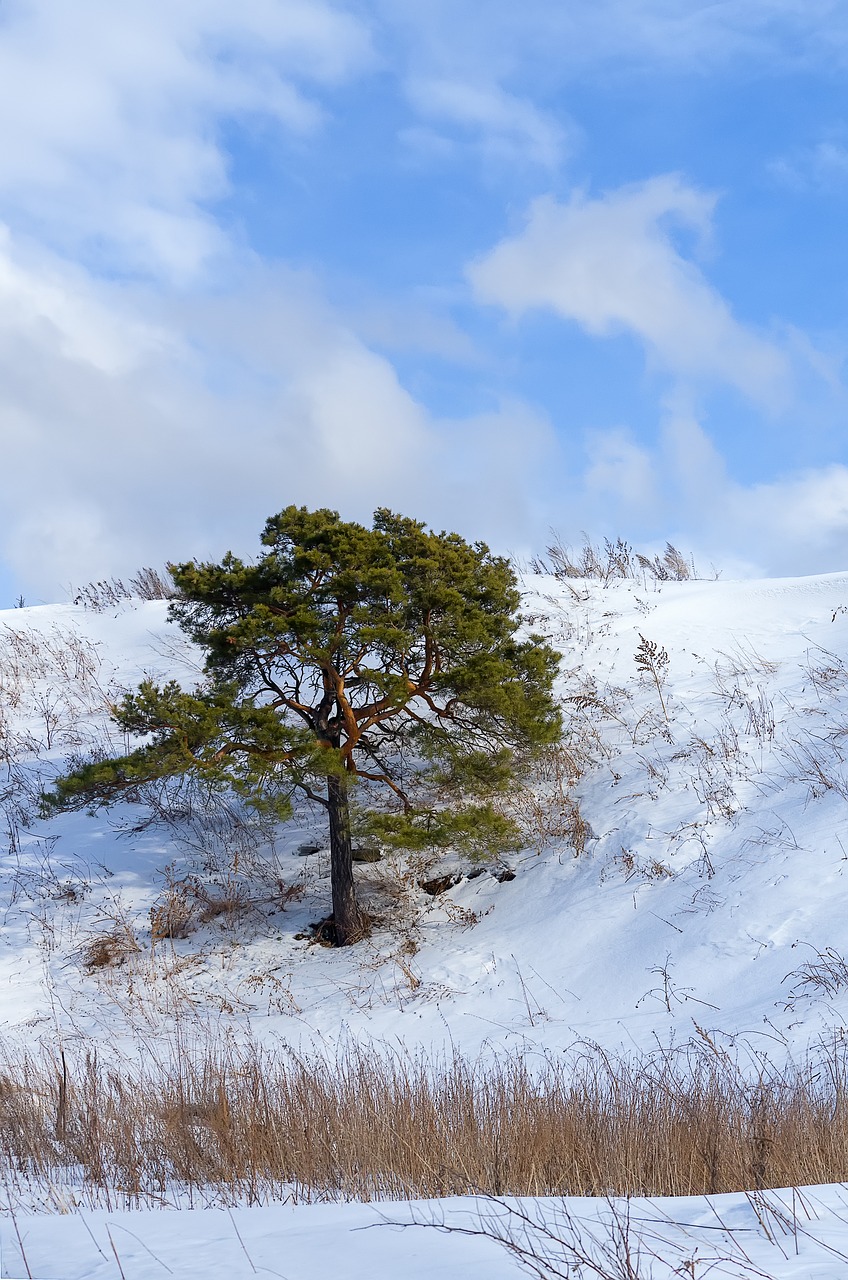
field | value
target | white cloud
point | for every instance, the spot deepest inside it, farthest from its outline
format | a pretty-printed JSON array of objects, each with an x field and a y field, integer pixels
[
  {"x": 680, "y": 490},
  {"x": 620, "y": 476},
  {"x": 132, "y": 432},
  {"x": 58, "y": 306},
  {"x": 694, "y": 472},
  {"x": 703, "y": 32},
  {"x": 109, "y": 114},
  {"x": 485, "y": 68},
  {"x": 138, "y": 425},
  {"x": 510, "y": 127},
  {"x": 612, "y": 266},
  {"x": 795, "y": 524},
  {"x": 417, "y": 322},
  {"x": 500, "y": 474}
]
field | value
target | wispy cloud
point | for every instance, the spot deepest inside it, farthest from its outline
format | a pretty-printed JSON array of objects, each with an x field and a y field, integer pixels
[
  {"x": 110, "y": 119},
  {"x": 612, "y": 265},
  {"x": 485, "y": 68},
  {"x": 509, "y": 127},
  {"x": 822, "y": 166},
  {"x": 450, "y": 36}
]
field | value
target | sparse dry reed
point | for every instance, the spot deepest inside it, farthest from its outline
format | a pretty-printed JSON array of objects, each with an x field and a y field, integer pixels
[
  {"x": 250, "y": 1124},
  {"x": 147, "y": 584},
  {"x": 613, "y": 560},
  {"x": 546, "y": 811}
]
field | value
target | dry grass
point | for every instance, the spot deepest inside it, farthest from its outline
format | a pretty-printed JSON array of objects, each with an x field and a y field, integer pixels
[
  {"x": 546, "y": 811},
  {"x": 184, "y": 905},
  {"x": 612, "y": 561},
  {"x": 106, "y": 950},
  {"x": 147, "y": 584},
  {"x": 247, "y": 1124},
  {"x": 51, "y": 691},
  {"x": 173, "y": 916}
]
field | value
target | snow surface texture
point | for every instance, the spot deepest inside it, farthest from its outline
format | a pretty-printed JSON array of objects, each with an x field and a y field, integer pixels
[
  {"x": 784, "y": 1235},
  {"x": 691, "y": 871}
]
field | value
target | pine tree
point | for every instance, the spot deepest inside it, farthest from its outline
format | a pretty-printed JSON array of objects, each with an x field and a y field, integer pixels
[{"x": 390, "y": 658}]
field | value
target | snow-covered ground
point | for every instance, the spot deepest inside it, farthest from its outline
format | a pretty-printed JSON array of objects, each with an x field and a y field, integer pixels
[
  {"x": 686, "y": 864},
  {"x": 784, "y": 1235},
  {"x": 708, "y": 885}
]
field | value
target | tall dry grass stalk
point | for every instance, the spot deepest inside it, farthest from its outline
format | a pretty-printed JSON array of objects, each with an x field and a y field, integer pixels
[
  {"x": 611, "y": 561},
  {"x": 248, "y": 1124}
]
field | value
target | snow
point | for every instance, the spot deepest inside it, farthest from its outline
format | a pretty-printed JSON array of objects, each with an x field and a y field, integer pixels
[
  {"x": 711, "y": 871},
  {"x": 800, "y": 1235},
  {"x": 709, "y": 857}
]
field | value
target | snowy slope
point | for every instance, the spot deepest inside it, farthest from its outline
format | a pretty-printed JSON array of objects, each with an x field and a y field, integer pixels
[
  {"x": 685, "y": 866},
  {"x": 710, "y": 864}
]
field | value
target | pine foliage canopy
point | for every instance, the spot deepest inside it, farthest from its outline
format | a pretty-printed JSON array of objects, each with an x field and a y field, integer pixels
[{"x": 391, "y": 657}]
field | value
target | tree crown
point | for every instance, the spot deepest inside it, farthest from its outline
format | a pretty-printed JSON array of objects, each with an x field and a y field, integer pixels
[{"x": 394, "y": 655}]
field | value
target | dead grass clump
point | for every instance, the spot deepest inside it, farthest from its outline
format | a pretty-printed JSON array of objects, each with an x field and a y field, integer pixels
[
  {"x": 107, "y": 950},
  {"x": 227, "y": 904},
  {"x": 820, "y": 763},
  {"x": 185, "y": 904},
  {"x": 825, "y": 975},
  {"x": 646, "y": 869},
  {"x": 174, "y": 915},
  {"x": 286, "y": 893},
  {"x": 229, "y": 1124}
]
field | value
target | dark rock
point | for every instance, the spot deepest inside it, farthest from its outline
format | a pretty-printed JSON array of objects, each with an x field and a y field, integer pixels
[
  {"x": 439, "y": 885},
  {"x": 324, "y": 932},
  {"x": 366, "y": 854}
]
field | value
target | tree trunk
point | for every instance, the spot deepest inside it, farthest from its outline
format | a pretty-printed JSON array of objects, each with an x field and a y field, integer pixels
[{"x": 351, "y": 922}]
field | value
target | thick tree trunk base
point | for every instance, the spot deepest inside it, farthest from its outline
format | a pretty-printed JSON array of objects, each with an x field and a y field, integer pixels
[
  {"x": 324, "y": 933},
  {"x": 350, "y": 922},
  {"x": 354, "y": 926}
]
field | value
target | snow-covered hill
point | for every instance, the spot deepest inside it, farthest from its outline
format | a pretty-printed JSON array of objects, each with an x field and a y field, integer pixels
[
  {"x": 685, "y": 873},
  {"x": 687, "y": 852}
]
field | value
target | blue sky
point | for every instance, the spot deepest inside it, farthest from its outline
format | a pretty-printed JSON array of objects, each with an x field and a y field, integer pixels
[{"x": 505, "y": 267}]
